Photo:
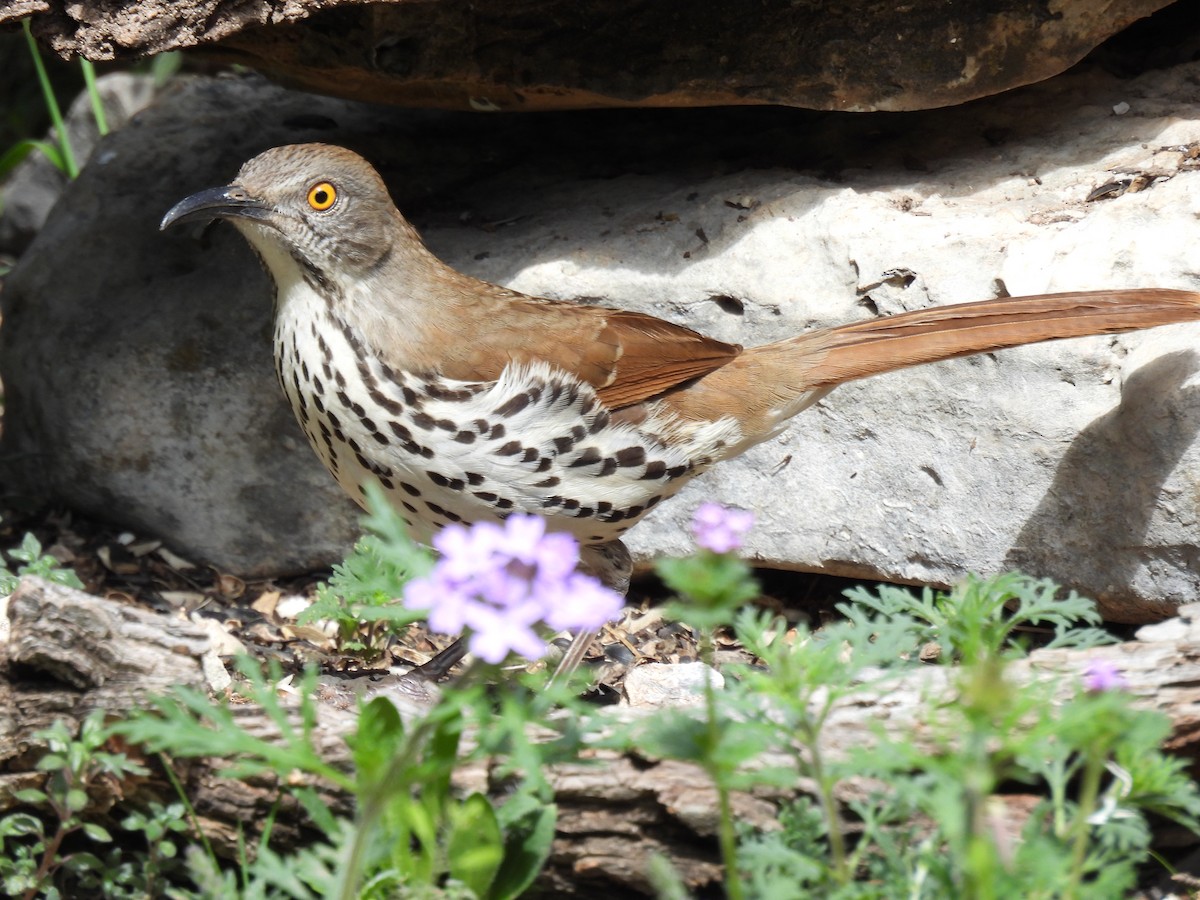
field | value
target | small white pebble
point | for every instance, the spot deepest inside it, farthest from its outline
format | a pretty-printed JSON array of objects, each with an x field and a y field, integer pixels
[
  {"x": 291, "y": 606},
  {"x": 1170, "y": 630},
  {"x": 1121, "y": 108},
  {"x": 215, "y": 673},
  {"x": 672, "y": 686}
]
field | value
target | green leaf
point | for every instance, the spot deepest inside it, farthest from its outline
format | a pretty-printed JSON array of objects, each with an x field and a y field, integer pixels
[
  {"x": 93, "y": 92},
  {"x": 375, "y": 742},
  {"x": 718, "y": 583},
  {"x": 77, "y": 800},
  {"x": 666, "y": 880},
  {"x": 60, "y": 128},
  {"x": 13, "y": 156},
  {"x": 527, "y": 844},
  {"x": 35, "y": 562},
  {"x": 675, "y": 735},
  {"x": 97, "y": 833},
  {"x": 475, "y": 846},
  {"x": 980, "y": 616},
  {"x": 163, "y": 67},
  {"x": 31, "y": 796},
  {"x": 20, "y": 824}
]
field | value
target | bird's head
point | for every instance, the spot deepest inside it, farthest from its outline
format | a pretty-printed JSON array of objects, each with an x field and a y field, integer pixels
[{"x": 325, "y": 207}]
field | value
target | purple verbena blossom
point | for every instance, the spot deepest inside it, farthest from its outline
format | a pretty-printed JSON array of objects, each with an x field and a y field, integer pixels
[
  {"x": 1103, "y": 675},
  {"x": 499, "y": 581},
  {"x": 720, "y": 528}
]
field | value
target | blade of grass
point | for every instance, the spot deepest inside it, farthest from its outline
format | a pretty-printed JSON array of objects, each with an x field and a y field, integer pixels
[
  {"x": 89, "y": 79},
  {"x": 11, "y": 157},
  {"x": 60, "y": 127}
]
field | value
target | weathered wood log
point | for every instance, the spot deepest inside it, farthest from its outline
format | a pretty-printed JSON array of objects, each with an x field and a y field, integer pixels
[{"x": 69, "y": 653}]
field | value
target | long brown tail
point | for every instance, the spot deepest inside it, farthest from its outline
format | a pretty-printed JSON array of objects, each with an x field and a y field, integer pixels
[{"x": 767, "y": 385}]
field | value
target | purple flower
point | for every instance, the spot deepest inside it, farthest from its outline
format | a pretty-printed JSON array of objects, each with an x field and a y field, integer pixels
[
  {"x": 1103, "y": 675},
  {"x": 719, "y": 528},
  {"x": 498, "y": 581}
]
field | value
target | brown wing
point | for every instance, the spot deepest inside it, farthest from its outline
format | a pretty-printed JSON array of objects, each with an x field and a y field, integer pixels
[
  {"x": 654, "y": 357},
  {"x": 626, "y": 356}
]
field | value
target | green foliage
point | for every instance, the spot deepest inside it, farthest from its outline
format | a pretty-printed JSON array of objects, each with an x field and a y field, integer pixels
[
  {"x": 189, "y": 724},
  {"x": 361, "y": 598},
  {"x": 934, "y": 827},
  {"x": 58, "y": 151},
  {"x": 979, "y": 618},
  {"x": 15, "y": 155},
  {"x": 31, "y": 560},
  {"x": 714, "y": 585},
  {"x": 1097, "y": 758},
  {"x": 34, "y": 861},
  {"x": 412, "y": 836},
  {"x": 935, "y": 823}
]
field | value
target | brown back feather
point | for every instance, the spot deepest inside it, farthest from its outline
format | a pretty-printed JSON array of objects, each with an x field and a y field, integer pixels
[
  {"x": 626, "y": 356},
  {"x": 655, "y": 357}
]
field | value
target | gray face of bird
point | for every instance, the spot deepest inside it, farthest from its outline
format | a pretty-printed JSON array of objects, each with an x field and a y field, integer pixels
[{"x": 325, "y": 206}]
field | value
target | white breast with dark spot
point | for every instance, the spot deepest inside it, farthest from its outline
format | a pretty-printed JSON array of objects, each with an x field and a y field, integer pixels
[{"x": 536, "y": 440}]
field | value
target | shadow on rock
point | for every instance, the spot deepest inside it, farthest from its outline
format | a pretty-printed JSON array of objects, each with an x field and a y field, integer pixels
[{"x": 1087, "y": 509}]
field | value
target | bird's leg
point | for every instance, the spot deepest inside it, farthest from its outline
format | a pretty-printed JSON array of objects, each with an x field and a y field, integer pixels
[
  {"x": 574, "y": 655},
  {"x": 439, "y": 665},
  {"x": 612, "y": 564}
]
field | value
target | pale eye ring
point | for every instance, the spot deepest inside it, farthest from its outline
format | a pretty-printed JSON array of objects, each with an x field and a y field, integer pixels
[{"x": 322, "y": 195}]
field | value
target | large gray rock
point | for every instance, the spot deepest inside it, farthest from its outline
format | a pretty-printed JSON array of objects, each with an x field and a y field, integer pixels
[
  {"x": 34, "y": 186},
  {"x": 137, "y": 367},
  {"x": 139, "y": 378}
]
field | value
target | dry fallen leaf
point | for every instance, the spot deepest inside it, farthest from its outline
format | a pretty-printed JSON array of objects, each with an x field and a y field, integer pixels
[
  {"x": 310, "y": 633},
  {"x": 266, "y": 603},
  {"x": 230, "y": 586},
  {"x": 188, "y": 600},
  {"x": 178, "y": 563},
  {"x": 223, "y": 643}
]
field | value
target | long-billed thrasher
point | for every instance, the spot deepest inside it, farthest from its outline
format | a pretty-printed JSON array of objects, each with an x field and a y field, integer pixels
[{"x": 469, "y": 402}]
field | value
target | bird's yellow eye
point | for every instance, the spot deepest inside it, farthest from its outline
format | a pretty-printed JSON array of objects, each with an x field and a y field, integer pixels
[{"x": 321, "y": 196}]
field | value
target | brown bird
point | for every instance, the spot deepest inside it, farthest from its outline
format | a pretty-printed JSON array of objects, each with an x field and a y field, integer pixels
[{"x": 469, "y": 402}]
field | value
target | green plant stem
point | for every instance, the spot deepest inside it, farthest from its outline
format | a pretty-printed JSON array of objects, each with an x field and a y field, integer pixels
[
  {"x": 189, "y": 810},
  {"x": 978, "y": 849},
  {"x": 50, "y": 857},
  {"x": 726, "y": 832},
  {"x": 348, "y": 878},
  {"x": 56, "y": 118},
  {"x": 833, "y": 825},
  {"x": 48, "y": 862},
  {"x": 1088, "y": 792},
  {"x": 89, "y": 79},
  {"x": 416, "y": 743}
]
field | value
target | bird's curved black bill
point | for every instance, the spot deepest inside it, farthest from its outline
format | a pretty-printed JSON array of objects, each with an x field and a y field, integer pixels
[{"x": 215, "y": 203}]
